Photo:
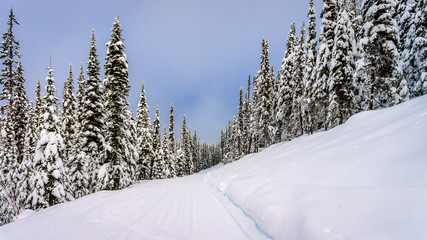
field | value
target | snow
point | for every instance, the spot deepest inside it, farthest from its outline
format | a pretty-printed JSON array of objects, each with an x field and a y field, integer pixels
[{"x": 361, "y": 180}]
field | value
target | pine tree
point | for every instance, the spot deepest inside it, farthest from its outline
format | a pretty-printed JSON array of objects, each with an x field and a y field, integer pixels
[
  {"x": 311, "y": 43},
  {"x": 92, "y": 108},
  {"x": 114, "y": 173},
  {"x": 265, "y": 81},
  {"x": 285, "y": 89},
  {"x": 27, "y": 165},
  {"x": 9, "y": 52},
  {"x": 19, "y": 111},
  {"x": 171, "y": 132},
  {"x": 419, "y": 49},
  {"x": 184, "y": 159},
  {"x": 10, "y": 176},
  {"x": 341, "y": 84},
  {"x": 49, "y": 171},
  {"x": 240, "y": 125},
  {"x": 145, "y": 133},
  {"x": 405, "y": 12},
  {"x": 381, "y": 60},
  {"x": 38, "y": 109},
  {"x": 322, "y": 72},
  {"x": 68, "y": 117},
  {"x": 157, "y": 163},
  {"x": 197, "y": 161},
  {"x": 298, "y": 86}
]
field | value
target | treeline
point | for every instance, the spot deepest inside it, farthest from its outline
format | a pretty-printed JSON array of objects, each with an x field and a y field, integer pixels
[
  {"x": 94, "y": 143},
  {"x": 370, "y": 54}
]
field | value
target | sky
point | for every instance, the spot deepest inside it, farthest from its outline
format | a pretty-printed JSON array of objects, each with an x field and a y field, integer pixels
[{"x": 194, "y": 53}]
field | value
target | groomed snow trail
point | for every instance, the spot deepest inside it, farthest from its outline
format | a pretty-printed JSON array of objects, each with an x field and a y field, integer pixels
[{"x": 183, "y": 208}]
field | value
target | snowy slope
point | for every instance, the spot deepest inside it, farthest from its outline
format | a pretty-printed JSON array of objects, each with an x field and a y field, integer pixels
[{"x": 366, "y": 179}]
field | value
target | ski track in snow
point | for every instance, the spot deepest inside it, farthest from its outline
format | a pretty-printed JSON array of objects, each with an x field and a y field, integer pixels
[{"x": 183, "y": 208}]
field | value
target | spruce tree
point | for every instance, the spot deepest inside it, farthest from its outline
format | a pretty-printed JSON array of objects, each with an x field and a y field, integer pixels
[
  {"x": 27, "y": 166},
  {"x": 265, "y": 84},
  {"x": 419, "y": 49},
  {"x": 157, "y": 163},
  {"x": 311, "y": 44},
  {"x": 240, "y": 125},
  {"x": 9, "y": 53},
  {"x": 341, "y": 83},
  {"x": 322, "y": 72},
  {"x": 285, "y": 89},
  {"x": 381, "y": 59},
  {"x": 171, "y": 132},
  {"x": 48, "y": 178},
  {"x": 19, "y": 111},
  {"x": 114, "y": 174},
  {"x": 298, "y": 86},
  {"x": 145, "y": 141},
  {"x": 406, "y": 11},
  {"x": 38, "y": 109},
  {"x": 68, "y": 117},
  {"x": 92, "y": 108}
]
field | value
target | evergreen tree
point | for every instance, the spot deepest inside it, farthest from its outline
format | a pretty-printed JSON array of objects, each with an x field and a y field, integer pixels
[
  {"x": 298, "y": 86},
  {"x": 405, "y": 12},
  {"x": 341, "y": 84},
  {"x": 27, "y": 165},
  {"x": 311, "y": 55},
  {"x": 197, "y": 161},
  {"x": 171, "y": 132},
  {"x": 157, "y": 163},
  {"x": 145, "y": 141},
  {"x": 184, "y": 161},
  {"x": 381, "y": 60},
  {"x": 114, "y": 173},
  {"x": 326, "y": 43},
  {"x": 19, "y": 111},
  {"x": 49, "y": 172},
  {"x": 285, "y": 89},
  {"x": 92, "y": 108},
  {"x": 240, "y": 125},
  {"x": 265, "y": 81},
  {"x": 419, "y": 49},
  {"x": 9, "y": 52},
  {"x": 68, "y": 117},
  {"x": 38, "y": 109}
]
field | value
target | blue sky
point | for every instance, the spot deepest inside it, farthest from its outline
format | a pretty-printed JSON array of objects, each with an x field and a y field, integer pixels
[{"x": 193, "y": 53}]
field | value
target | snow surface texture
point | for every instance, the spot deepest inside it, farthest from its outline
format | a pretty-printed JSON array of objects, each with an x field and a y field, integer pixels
[{"x": 365, "y": 179}]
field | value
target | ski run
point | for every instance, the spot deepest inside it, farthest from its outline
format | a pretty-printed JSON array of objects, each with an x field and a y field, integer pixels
[{"x": 365, "y": 179}]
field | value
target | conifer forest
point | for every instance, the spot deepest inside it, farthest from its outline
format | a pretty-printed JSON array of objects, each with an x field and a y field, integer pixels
[{"x": 369, "y": 54}]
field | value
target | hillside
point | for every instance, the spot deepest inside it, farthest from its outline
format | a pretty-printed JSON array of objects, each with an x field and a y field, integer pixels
[{"x": 365, "y": 179}]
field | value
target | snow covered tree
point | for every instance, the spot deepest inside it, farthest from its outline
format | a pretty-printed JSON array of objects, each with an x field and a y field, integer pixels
[
  {"x": 197, "y": 161},
  {"x": 184, "y": 161},
  {"x": 381, "y": 59},
  {"x": 92, "y": 108},
  {"x": 322, "y": 72},
  {"x": 246, "y": 120},
  {"x": 419, "y": 49},
  {"x": 298, "y": 86},
  {"x": 19, "y": 111},
  {"x": 157, "y": 164},
  {"x": 240, "y": 124},
  {"x": 406, "y": 11},
  {"x": 265, "y": 84},
  {"x": 171, "y": 132},
  {"x": 311, "y": 55},
  {"x": 9, "y": 52},
  {"x": 114, "y": 173},
  {"x": 145, "y": 141},
  {"x": 341, "y": 84},
  {"x": 48, "y": 179},
  {"x": 68, "y": 117},
  {"x": 285, "y": 89},
  {"x": 38, "y": 109}
]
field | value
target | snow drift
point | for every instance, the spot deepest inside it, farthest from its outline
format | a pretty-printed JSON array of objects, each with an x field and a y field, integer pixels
[{"x": 366, "y": 179}]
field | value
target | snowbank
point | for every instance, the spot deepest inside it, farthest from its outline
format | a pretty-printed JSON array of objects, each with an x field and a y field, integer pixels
[{"x": 366, "y": 179}]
